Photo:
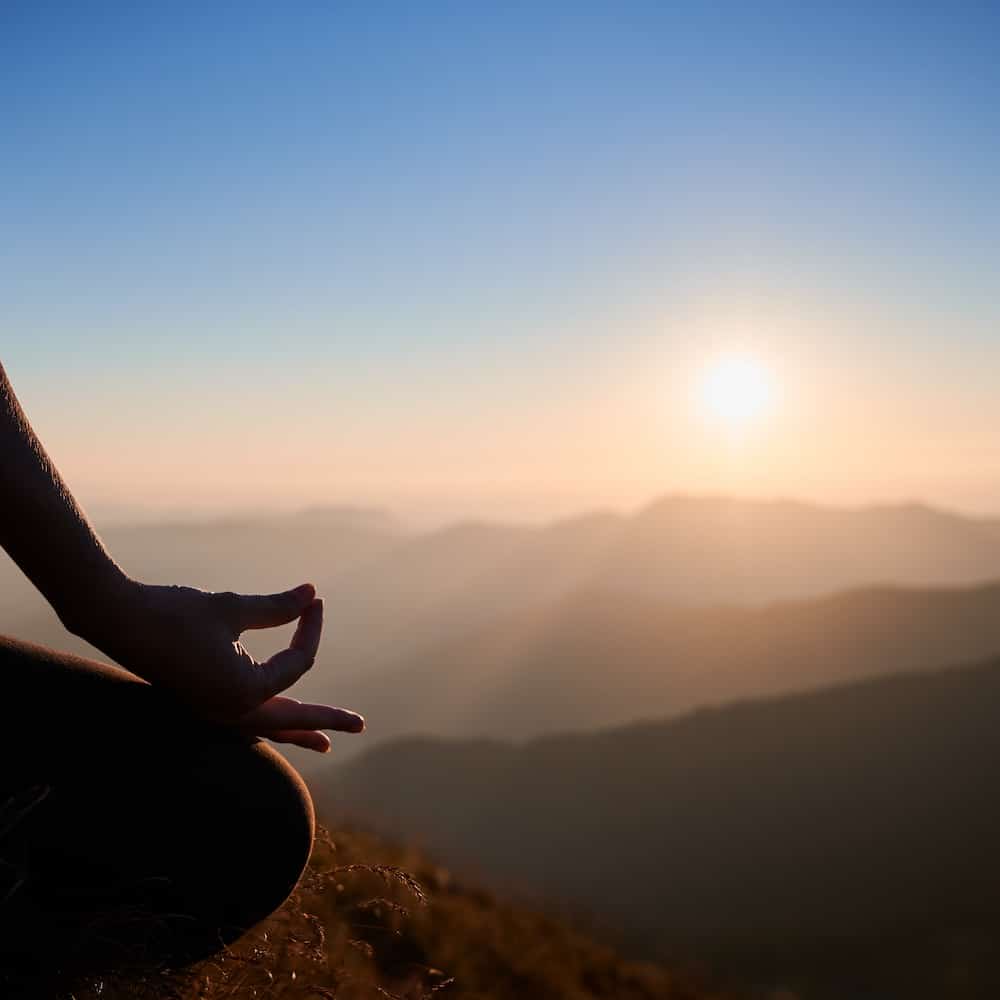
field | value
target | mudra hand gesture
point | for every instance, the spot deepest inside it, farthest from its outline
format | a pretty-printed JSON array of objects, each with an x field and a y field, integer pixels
[{"x": 188, "y": 641}]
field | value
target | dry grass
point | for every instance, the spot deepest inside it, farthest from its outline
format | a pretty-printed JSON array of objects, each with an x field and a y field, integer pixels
[{"x": 372, "y": 921}]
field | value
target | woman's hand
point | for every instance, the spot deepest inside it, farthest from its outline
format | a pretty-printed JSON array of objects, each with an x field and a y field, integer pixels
[
  {"x": 187, "y": 641},
  {"x": 184, "y": 640}
]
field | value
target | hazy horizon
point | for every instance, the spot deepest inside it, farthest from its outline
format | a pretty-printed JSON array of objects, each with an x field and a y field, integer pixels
[
  {"x": 431, "y": 513},
  {"x": 164, "y": 476}
]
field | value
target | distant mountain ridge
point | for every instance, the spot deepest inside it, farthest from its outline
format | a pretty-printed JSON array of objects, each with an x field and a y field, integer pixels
[
  {"x": 596, "y": 660},
  {"x": 760, "y": 830},
  {"x": 698, "y": 550},
  {"x": 649, "y": 613},
  {"x": 690, "y": 550},
  {"x": 687, "y": 551}
]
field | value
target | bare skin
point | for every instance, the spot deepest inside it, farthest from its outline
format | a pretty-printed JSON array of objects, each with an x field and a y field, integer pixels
[{"x": 179, "y": 638}]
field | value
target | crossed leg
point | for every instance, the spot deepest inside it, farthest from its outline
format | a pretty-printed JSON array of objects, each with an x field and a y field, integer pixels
[{"x": 123, "y": 804}]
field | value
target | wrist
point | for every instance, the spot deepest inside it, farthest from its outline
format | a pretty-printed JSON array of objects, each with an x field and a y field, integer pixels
[{"x": 97, "y": 601}]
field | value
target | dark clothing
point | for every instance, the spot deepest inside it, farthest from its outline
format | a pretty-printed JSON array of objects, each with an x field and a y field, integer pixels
[{"x": 134, "y": 825}]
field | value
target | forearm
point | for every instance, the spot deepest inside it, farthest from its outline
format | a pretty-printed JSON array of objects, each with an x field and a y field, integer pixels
[{"x": 41, "y": 525}]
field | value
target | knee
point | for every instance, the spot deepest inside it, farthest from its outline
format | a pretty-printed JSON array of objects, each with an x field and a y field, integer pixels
[
  {"x": 247, "y": 837},
  {"x": 211, "y": 837},
  {"x": 286, "y": 825},
  {"x": 269, "y": 835}
]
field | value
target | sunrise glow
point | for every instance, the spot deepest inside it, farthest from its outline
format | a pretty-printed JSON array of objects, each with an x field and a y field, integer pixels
[{"x": 736, "y": 391}]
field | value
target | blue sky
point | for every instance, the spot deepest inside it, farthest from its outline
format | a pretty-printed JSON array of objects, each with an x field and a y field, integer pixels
[{"x": 403, "y": 218}]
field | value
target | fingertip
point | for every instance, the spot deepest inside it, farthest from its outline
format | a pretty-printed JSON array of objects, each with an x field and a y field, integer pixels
[
  {"x": 305, "y": 592},
  {"x": 315, "y": 741},
  {"x": 345, "y": 721},
  {"x": 314, "y": 611}
]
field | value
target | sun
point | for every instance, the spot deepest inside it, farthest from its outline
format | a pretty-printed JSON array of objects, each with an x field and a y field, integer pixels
[{"x": 736, "y": 391}]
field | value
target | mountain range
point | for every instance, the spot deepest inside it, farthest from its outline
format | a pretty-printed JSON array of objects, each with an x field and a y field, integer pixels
[
  {"x": 813, "y": 838},
  {"x": 515, "y": 631}
]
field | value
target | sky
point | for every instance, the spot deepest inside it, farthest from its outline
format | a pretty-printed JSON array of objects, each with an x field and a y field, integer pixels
[{"x": 477, "y": 258}]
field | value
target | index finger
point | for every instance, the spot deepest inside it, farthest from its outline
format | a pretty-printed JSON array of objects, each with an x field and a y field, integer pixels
[{"x": 283, "y": 669}]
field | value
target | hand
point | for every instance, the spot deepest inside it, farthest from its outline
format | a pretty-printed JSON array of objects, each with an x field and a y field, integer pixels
[{"x": 187, "y": 641}]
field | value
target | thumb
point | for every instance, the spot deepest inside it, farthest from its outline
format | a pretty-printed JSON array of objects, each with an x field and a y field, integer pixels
[{"x": 268, "y": 610}]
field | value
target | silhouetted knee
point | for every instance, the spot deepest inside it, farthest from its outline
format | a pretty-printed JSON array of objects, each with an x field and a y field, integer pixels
[
  {"x": 168, "y": 855},
  {"x": 277, "y": 833},
  {"x": 261, "y": 832}
]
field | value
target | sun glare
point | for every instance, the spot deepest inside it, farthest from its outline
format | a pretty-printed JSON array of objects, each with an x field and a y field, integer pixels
[{"x": 736, "y": 391}]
